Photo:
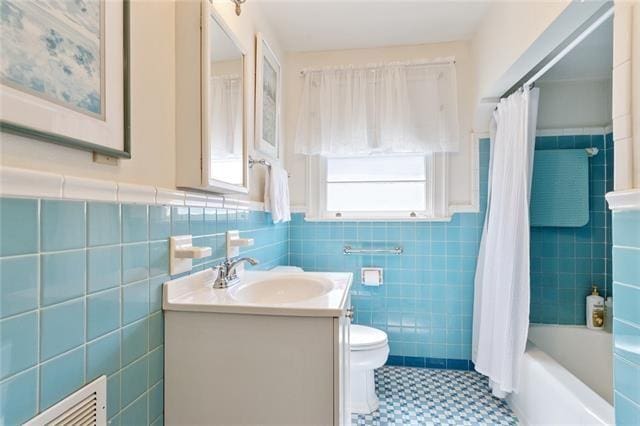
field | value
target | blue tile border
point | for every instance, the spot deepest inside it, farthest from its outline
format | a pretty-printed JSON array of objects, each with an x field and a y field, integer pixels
[
  {"x": 426, "y": 362},
  {"x": 112, "y": 302}
]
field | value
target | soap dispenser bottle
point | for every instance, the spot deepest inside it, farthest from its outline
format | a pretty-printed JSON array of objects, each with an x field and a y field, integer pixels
[{"x": 595, "y": 310}]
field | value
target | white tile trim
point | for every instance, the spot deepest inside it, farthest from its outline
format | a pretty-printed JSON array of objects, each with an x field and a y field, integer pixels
[
  {"x": 574, "y": 131},
  {"x": 624, "y": 200},
  {"x": 195, "y": 200},
  {"x": 27, "y": 183},
  {"x": 76, "y": 188},
  {"x": 216, "y": 201},
  {"x": 18, "y": 182},
  {"x": 235, "y": 203},
  {"x": 622, "y": 127},
  {"x": 136, "y": 194},
  {"x": 170, "y": 197}
]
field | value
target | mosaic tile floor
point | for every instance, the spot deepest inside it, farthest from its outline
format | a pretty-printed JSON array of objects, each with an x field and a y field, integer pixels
[{"x": 420, "y": 396}]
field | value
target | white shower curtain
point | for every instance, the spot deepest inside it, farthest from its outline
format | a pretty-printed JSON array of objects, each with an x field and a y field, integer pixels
[{"x": 501, "y": 305}]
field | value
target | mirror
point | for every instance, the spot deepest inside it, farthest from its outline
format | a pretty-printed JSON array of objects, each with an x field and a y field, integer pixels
[{"x": 224, "y": 114}]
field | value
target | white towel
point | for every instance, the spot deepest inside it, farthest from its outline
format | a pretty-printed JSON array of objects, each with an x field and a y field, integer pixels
[{"x": 276, "y": 194}]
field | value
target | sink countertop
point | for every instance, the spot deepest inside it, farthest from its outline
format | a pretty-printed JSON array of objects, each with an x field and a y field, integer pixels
[{"x": 195, "y": 293}]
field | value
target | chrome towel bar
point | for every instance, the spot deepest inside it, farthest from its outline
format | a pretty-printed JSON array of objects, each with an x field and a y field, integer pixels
[
  {"x": 351, "y": 250},
  {"x": 252, "y": 162},
  {"x": 262, "y": 162}
]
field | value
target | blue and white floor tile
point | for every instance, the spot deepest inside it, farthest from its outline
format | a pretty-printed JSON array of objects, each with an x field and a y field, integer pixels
[{"x": 420, "y": 396}]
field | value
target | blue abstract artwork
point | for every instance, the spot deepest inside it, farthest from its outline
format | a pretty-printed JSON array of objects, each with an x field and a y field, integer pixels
[{"x": 53, "y": 49}]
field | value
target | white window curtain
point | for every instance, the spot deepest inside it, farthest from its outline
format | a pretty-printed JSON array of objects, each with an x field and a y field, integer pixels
[
  {"x": 501, "y": 299},
  {"x": 226, "y": 116},
  {"x": 379, "y": 109}
]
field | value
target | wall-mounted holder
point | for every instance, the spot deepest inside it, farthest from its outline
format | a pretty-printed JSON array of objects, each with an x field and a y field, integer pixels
[
  {"x": 182, "y": 252},
  {"x": 371, "y": 276},
  {"x": 350, "y": 250},
  {"x": 234, "y": 242}
]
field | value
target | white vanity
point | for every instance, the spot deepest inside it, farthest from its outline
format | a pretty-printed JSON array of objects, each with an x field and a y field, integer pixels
[{"x": 272, "y": 349}]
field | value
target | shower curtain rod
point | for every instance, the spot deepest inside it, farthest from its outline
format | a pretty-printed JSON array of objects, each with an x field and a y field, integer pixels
[{"x": 601, "y": 15}]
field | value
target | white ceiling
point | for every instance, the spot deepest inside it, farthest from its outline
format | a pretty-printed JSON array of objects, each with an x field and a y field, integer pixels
[
  {"x": 311, "y": 25},
  {"x": 590, "y": 60}
]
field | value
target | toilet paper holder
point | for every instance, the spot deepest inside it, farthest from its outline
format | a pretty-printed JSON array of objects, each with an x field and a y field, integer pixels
[{"x": 371, "y": 276}]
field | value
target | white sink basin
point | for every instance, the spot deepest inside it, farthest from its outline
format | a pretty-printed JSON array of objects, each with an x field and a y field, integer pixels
[{"x": 281, "y": 289}]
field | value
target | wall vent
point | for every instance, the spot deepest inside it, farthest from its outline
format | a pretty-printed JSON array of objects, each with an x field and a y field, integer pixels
[{"x": 85, "y": 407}]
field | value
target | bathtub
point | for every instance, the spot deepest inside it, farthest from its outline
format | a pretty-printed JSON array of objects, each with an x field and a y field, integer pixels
[{"x": 566, "y": 377}]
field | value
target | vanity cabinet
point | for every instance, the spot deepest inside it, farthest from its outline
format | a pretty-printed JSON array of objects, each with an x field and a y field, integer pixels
[{"x": 243, "y": 365}]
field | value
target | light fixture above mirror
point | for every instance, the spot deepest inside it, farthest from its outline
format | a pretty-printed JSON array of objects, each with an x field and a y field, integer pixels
[{"x": 238, "y": 4}]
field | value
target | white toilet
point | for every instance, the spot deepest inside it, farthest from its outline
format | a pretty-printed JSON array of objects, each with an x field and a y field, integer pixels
[{"x": 369, "y": 350}]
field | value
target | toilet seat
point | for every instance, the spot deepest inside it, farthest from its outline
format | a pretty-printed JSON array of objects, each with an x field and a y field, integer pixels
[{"x": 367, "y": 338}]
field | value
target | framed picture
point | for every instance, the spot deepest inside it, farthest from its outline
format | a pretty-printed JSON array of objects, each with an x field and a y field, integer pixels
[
  {"x": 64, "y": 73},
  {"x": 268, "y": 98}
]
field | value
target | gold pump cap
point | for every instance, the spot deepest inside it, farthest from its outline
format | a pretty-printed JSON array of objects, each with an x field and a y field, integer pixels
[{"x": 594, "y": 292}]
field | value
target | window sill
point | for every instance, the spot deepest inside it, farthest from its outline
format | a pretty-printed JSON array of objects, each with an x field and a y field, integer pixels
[{"x": 378, "y": 219}]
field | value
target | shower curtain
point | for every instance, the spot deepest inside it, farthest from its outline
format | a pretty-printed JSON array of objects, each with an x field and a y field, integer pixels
[{"x": 501, "y": 299}]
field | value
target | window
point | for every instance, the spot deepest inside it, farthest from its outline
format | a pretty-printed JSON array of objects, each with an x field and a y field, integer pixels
[
  {"x": 392, "y": 187},
  {"x": 372, "y": 187},
  {"x": 376, "y": 184}
]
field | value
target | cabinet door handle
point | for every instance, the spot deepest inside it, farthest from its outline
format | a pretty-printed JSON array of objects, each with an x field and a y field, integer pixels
[{"x": 349, "y": 313}]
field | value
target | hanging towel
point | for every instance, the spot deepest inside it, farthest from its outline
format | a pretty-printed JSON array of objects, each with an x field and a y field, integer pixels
[
  {"x": 276, "y": 194},
  {"x": 560, "y": 190}
]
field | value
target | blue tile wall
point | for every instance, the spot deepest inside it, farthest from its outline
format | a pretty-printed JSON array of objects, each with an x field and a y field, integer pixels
[
  {"x": 566, "y": 262},
  {"x": 81, "y": 296},
  {"x": 626, "y": 326},
  {"x": 426, "y": 302}
]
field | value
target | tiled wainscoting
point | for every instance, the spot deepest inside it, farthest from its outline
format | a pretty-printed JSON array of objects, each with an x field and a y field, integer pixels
[
  {"x": 626, "y": 327},
  {"x": 426, "y": 302},
  {"x": 80, "y": 296},
  {"x": 566, "y": 262}
]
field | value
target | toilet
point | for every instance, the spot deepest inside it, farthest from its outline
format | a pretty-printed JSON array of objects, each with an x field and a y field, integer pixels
[{"x": 369, "y": 350}]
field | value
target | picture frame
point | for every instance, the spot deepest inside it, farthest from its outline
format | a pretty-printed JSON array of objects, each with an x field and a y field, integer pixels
[
  {"x": 64, "y": 74},
  {"x": 268, "y": 99}
]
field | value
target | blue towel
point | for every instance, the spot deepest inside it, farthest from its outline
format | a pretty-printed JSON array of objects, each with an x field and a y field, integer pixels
[{"x": 560, "y": 188}]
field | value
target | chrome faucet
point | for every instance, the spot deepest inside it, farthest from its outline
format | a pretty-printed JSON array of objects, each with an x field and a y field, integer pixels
[{"x": 227, "y": 275}]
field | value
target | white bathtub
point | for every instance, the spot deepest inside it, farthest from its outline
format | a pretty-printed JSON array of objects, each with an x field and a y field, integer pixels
[{"x": 566, "y": 377}]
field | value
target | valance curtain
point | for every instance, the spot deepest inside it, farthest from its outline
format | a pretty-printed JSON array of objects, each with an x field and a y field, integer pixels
[{"x": 379, "y": 109}]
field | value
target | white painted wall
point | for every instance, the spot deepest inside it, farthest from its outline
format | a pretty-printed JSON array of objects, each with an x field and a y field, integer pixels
[
  {"x": 635, "y": 91},
  {"x": 514, "y": 37},
  {"x": 153, "y": 103},
  {"x": 152, "y": 112},
  {"x": 574, "y": 104},
  {"x": 245, "y": 27},
  {"x": 626, "y": 95},
  {"x": 460, "y": 166}
]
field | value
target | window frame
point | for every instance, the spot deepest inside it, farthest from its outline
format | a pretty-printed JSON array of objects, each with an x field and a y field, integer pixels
[{"x": 435, "y": 196}]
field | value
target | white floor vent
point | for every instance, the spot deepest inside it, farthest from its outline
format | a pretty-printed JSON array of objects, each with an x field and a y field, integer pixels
[{"x": 85, "y": 407}]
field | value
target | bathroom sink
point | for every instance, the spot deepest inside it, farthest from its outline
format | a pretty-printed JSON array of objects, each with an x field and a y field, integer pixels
[
  {"x": 281, "y": 289},
  {"x": 261, "y": 293}
]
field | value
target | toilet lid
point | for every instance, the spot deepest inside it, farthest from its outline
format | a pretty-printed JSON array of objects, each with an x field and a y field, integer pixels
[{"x": 363, "y": 338}]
